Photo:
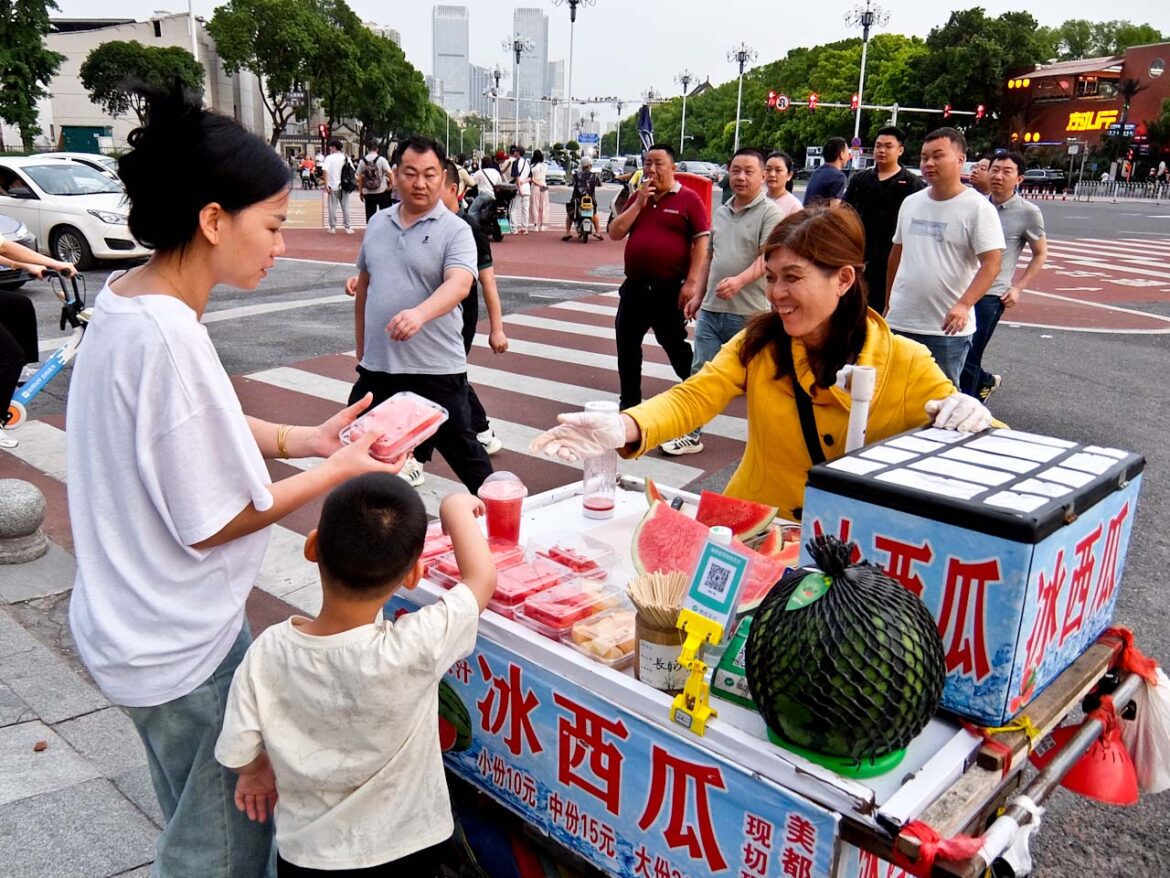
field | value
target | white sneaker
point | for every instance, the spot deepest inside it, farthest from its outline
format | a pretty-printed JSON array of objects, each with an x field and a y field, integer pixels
[
  {"x": 333, "y": 231},
  {"x": 27, "y": 372},
  {"x": 412, "y": 472},
  {"x": 489, "y": 440},
  {"x": 349, "y": 231},
  {"x": 6, "y": 441},
  {"x": 687, "y": 444}
]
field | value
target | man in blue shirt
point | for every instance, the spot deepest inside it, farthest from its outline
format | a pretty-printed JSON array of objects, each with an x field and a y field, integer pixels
[{"x": 827, "y": 184}]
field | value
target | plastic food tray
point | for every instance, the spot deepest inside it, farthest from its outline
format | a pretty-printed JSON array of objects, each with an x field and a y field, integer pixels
[
  {"x": 553, "y": 612},
  {"x": 585, "y": 556},
  {"x": 406, "y": 421},
  {"x": 445, "y": 572},
  {"x": 516, "y": 583},
  {"x": 437, "y": 543},
  {"x": 607, "y": 638}
]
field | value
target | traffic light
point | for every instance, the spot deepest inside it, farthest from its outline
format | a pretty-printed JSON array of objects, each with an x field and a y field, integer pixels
[
  {"x": 979, "y": 111},
  {"x": 813, "y": 100},
  {"x": 1129, "y": 155},
  {"x": 855, "y": 101},
  {"x": 772, "y": 98},
  {"x": 947, "y": 111}
]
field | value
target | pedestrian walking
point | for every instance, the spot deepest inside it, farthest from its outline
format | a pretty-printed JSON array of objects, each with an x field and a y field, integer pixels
[
  {"x": 778, "y": 171},
  {"x": 374, "y": 180},
  {"x": 1022, "y": 223},
  {"x": 539, "y": 191},
  {"x": 827, "y": 184},
  {"x": 170, "y": 500},
  {"x": 665, "y": 256},
  {"x": 331, "y": 722},
  {"x": 415, "y": 268},
  {"x": 333, "y": 166},
  {"x": 948, "y": 248},
  {"x": 486, "y": 179},
  {"x": 733, "y": 280},
  {"x": 877, "y": 194}
]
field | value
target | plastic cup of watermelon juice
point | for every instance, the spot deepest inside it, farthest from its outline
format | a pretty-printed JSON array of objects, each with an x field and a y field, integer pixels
[
  {"x": 503, "y": 496},
  {"x": 406, "y": 421},
  {"x": 599, "y": 474}
]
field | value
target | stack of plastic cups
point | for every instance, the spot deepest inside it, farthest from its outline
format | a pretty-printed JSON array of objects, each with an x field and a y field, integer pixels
[{"x": 600, "y": 474}]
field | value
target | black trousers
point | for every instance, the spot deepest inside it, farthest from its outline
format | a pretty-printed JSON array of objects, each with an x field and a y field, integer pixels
[
  {"x": 375, "y": 202},
  {"x": 456, "y": 438},
  {"x": 479, "y": 418},
  {"x": 645, "y": 306},
  {"x": 420, "y": 864},
  {"x": 18, "y": 343},
  {"x": 875, "y": 280}
]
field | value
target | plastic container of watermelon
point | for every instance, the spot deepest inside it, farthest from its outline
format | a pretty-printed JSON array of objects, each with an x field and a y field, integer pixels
[
  {"x": 607, "y": 638},
  {"x": 515, "y": 584},
  {"x": 406, "y": 421},
  {"x": 437, "y": 543},
  {"x": 555, "y": 611},
  {"x": 585, "y": 556},
  {"x": 444, "y": 571}
]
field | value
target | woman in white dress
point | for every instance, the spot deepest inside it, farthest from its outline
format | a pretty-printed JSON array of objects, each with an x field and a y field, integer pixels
[{"x": 540, "y": 191}]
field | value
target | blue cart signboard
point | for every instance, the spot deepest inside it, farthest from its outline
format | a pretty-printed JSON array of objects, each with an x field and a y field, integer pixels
[{"x": 1015, "y": 542}]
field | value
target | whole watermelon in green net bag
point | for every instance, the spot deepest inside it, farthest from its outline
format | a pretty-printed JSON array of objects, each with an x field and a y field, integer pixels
[{"x": 844, "y": 661}]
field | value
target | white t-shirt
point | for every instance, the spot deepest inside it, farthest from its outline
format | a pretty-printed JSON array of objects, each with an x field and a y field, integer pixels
[
  {"x": 486, "y": 179},
  {"x": 941, "y": 242},
  {"x": 334, "y": 162},
  {"x": 350, "y": 724},
  {"x": 160, "y": 458}
]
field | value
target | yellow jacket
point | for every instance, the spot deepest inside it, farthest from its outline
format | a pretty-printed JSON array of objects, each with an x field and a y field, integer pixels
[{"x": 775, "y": 463}]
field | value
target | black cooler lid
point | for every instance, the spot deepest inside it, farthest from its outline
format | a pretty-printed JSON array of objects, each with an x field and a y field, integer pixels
[{"x": 1006, "y": 483}]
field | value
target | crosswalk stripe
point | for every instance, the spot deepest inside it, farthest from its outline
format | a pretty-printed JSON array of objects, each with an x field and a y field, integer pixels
[
  {"x": 587, "y": 308},
  {"x": 579, "y": 358},
  {"x": 1115, "y": 266},
  {"x": 516, "y": 437},
  {"x": 586, "y": 329}
]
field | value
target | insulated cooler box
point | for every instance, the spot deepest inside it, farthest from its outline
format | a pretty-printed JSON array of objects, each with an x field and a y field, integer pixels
[{"x": 1016, "y": 543}]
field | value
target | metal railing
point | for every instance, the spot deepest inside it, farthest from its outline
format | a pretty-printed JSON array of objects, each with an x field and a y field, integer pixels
[{"x": 1115, "y": 190}]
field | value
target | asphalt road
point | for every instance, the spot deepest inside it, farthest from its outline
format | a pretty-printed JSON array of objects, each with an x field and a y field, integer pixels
[{"x": 1105, "y": 389}]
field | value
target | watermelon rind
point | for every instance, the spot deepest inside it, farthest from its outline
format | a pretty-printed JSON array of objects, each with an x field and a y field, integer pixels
[
  {"x": 453, "y": 712},
  {"x": 746, "y": 518},
  {"x": 652, "y": 492},
  {"x": 666, "y": 540}
]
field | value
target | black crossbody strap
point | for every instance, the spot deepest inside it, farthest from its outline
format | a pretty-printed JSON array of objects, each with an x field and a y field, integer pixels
[{"x": 808, "y": 423}]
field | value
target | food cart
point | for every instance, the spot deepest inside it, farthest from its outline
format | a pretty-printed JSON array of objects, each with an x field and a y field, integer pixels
[{"x": 587, "y": 756}]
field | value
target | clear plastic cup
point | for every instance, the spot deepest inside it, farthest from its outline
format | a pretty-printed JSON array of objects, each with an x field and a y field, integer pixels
[
  {"x": 503, "y": 496},
  {"x": 600, "y": 474}
]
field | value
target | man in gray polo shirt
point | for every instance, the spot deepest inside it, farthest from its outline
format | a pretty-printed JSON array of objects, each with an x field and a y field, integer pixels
[
  {"x": 1022, "y": 224},
  {"x": 415, "y": 268},
  {"x": 734, "y": 280}
]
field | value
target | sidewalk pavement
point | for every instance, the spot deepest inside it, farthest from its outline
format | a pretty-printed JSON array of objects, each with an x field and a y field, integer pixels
[{"x": 75, "y": 792}]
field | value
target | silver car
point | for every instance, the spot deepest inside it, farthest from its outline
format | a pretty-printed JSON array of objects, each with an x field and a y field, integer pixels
[{"x": 16, "y": 231}]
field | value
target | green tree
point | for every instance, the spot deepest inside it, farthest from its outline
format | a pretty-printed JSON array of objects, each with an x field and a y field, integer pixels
[
  {"x": 336, "y": 69},
  {"x": 388, "y": 96},
  {"x": 110, "y": 69},
  {"x": 278, "y": 41},
  {"x": 1114, "y": 37},
  {"x": 26, "y": 64}
]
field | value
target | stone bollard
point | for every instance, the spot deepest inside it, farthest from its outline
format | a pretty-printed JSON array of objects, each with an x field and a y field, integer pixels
[{"x": 22, "y": 510}]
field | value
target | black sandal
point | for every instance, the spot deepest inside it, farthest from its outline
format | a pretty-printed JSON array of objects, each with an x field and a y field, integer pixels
[{"x": 567, "y": 238}]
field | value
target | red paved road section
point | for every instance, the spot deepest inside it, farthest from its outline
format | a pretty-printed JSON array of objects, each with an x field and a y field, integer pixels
[{"x": 1088, "y": 284}]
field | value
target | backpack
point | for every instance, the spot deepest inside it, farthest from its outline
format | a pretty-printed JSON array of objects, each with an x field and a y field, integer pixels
[
  {"x": 371, "y": 174},
  {"x": 348, "y": 177}
]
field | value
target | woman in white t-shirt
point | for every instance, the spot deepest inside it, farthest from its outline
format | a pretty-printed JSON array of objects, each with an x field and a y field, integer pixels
[
  {"x": 170, "y": 500},
  {"x": 539, "y": 192},
  {"x": 778, "y": 179}
]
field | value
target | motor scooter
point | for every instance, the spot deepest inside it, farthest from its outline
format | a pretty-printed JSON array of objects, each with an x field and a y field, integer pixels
[
  {"x": 499, "y": 222},
  {"x": 585, "y": 218}
]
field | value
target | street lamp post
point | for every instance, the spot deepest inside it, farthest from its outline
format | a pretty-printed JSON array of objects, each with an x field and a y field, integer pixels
[
  {"x": 497, "y": 75},
  {"x": 865, "y": 19},
  {"x": 572, "y": 4},
  {"x": 517, "y": 45},
  {"x": 617, "y": 147},
  {"x": 685, "y": 79},
  {"x": 741, "y": 55}
]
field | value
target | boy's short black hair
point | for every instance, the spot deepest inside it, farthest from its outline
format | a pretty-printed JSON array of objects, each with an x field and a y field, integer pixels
[
  {"x": 371, "y": 533},
  {"x": 893, "y": 131}
]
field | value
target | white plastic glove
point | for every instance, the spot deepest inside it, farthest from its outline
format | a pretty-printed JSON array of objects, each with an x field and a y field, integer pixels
[
  {"x": 959, "y": 412},
  {"x": 580, "y": 435}
]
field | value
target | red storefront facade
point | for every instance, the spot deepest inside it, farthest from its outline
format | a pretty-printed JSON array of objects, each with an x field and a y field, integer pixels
[{"x": 1081, "y": 100}]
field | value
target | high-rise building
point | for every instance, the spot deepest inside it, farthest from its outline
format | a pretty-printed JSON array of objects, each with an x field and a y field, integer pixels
[
  {"x": 481, "y": 81},
  {"x": 529, "y": 77},
  {"x": 384, "y": 31},
  {"x": 450, "y": 30},
  {"x": 554, "y": 87}
]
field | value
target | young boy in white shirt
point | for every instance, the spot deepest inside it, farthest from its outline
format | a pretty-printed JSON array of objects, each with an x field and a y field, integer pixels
[{"x": 334, "y": 720}]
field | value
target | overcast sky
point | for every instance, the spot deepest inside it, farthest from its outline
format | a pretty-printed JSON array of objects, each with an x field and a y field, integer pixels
[{"x": 622, "y": 47}]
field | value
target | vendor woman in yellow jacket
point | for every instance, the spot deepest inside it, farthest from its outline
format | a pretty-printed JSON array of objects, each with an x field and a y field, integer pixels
[{"x": 819, "y": 322}]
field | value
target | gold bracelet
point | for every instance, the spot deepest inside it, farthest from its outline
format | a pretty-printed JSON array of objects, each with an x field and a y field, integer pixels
[{"x": 282, "y": 434}]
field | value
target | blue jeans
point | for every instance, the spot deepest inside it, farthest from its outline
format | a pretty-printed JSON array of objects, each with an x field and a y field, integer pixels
[
  {"x": 713, "y": 329},
  {"x": 988, "y": 310},
  {"x": 949, "y": 351},
  {"x": 205, "y": 835}
]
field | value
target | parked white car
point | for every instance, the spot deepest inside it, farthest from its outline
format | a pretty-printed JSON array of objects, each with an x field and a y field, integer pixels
[
  {"x": 107, "y": 164},
  {"x": 78, "y": 214}
]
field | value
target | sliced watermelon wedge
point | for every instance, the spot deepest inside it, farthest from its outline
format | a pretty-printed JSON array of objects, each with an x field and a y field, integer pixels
[
  {"x": 745, "y": 517},
  {"x": 652, "y": 492}
]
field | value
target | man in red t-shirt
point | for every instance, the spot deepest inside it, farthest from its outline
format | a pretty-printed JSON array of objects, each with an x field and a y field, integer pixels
[{"x": 669, "y": 228}]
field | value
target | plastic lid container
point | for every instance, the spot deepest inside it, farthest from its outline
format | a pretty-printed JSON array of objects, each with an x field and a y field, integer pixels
[
  {"x": 406, "y": 421},
  {"x": 437, "y": 543},
  {"x": 607, "y": 638},
  {"x": 555, "y": 611},
  {"x": 585, "y": 556},
  {"x": 445, "y": 572},
  {"x": 515, "y": 584}
]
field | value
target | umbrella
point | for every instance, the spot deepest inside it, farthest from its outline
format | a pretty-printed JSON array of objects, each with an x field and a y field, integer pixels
[{"x": 645, "y": 127}]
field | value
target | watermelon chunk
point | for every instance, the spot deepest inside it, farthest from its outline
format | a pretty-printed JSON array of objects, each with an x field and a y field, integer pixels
[
  {"x": 652, "y": 492},
  {"x": 745, "y": 517}
]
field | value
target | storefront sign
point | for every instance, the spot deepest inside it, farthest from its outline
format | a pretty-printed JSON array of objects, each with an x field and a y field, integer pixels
[
  {"x": 632, "y": 797},
  {"x": 1090, "y": 120}
]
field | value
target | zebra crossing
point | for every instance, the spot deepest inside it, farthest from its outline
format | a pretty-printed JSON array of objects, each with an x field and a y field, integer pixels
[
  {"x": 560, "y": 356},
  {"x": 554, "y": 220}
]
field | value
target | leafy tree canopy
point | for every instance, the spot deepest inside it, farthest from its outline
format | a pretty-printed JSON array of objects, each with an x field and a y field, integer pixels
[
  {"x": 26, "y": 64},
  {"x": 113, "y": 68}
]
